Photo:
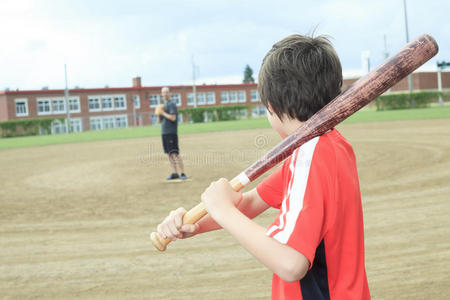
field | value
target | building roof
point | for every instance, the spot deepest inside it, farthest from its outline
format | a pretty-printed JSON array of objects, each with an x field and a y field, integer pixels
[{"x": 129, "y": 89}]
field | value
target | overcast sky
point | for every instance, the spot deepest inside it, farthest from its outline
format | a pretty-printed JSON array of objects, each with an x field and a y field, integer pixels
[{"x": 109, "y": 42}]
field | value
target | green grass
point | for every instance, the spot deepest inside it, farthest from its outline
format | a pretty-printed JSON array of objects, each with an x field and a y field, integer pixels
[{"x": 365, "y": 115}]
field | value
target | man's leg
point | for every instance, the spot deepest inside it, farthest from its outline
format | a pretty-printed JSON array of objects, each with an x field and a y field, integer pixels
[
  {"x": 179, "y": 163},
  {"x": 173, "y": 162}
]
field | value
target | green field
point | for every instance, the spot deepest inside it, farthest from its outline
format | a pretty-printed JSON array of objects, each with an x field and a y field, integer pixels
[{"x": 366, "y": 115}]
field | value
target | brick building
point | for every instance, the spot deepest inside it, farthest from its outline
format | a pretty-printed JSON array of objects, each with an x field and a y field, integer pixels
[
  {"x": 421, "y": 81},
  {"x": 104, "y": 108}
]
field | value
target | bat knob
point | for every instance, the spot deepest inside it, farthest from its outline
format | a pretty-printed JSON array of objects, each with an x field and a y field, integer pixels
[{"x": 159, "y": 242}]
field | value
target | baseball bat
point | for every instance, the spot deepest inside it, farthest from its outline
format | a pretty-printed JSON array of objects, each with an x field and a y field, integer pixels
[{"x": 359, "y": 94}]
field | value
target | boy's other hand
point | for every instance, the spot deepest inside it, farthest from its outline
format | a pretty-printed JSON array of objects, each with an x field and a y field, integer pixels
[
  {"x": 173, "y": 228},
  {"x": 219, "y": 198}
]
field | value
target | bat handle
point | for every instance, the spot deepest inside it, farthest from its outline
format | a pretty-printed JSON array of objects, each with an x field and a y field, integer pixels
[{"x": 191, "y": 217}]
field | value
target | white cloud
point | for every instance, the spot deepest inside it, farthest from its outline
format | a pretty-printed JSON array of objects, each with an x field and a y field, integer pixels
[{"x": 105, "y": 42}]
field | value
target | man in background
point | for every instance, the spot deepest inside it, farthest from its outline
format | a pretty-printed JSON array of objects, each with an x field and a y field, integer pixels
[{"x": 168, "y": 116}]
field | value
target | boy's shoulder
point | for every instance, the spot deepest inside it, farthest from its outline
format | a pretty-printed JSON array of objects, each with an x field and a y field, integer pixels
[{"x": 324, "y": 152}]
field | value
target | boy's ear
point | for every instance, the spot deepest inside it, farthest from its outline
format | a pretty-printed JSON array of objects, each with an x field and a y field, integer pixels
[{"x": 270, "y": 108}]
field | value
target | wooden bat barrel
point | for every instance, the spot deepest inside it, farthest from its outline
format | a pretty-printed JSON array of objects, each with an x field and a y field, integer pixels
[{"x": 359, "y": 94}]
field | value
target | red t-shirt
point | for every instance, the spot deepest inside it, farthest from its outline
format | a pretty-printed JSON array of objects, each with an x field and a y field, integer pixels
[{"x": 317, "y": 192}]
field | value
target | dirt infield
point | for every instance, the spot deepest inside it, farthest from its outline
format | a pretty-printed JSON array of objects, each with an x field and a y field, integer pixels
[{"x": 75, "y": 219}]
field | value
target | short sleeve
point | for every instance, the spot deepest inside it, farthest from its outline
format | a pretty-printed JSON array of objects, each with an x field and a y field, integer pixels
[
  {"x": 271, "y": 189},
  {"x": 301, "y": 221}
]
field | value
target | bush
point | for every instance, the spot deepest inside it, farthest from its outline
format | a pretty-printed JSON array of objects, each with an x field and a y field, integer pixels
[
  {"x": 215, "y": 113},
  {"x": 406, "y": 100},
  {"x": 26, "y": 127}
]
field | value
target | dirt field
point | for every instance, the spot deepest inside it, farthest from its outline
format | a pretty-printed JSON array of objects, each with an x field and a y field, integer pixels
[{"x": 75, "y": 219}]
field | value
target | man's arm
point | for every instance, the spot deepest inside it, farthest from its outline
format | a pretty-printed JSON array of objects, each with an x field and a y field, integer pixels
[
  {"x": 170, "y": 117},
  {"x": 162, "y": 114}
]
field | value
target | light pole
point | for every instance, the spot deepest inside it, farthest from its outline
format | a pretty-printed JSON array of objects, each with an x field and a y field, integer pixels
[
  {"x": 66, "y": 98},
  {"x": 194, "y": 88},
  {"x": 410, "y": 81}
]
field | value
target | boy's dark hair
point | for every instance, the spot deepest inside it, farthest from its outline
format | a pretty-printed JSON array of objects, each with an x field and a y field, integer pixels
[{"x": 299, "y": 76}]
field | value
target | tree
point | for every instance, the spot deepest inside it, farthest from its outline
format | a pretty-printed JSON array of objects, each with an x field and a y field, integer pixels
[{"x": 248, "y": 75}]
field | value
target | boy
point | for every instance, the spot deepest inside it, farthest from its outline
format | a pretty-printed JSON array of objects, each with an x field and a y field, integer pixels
[
  {"x": 168, "y": 115},
  {"x": 315, "y": 246}
]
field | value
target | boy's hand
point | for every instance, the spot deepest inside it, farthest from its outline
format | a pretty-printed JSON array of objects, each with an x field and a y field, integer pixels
[
  {"x": 219, "y": 198},
  {"x": 173, "y": 228}
]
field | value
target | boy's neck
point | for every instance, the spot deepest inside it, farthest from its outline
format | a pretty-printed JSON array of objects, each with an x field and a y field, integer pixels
[{"x": 290, "y": 125}]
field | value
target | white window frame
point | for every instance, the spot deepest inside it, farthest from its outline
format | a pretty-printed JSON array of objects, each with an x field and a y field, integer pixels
[
  {"x": 104, "y": 99},
  {"x": 242, "y": 97},
  {"x": 210, "y": 98},
  {"x": 98, "y": 98},
  {"x": 124, "y": 107},
  {"x": 109, "y": 122},
  {"x": 176, "y": 97},
  {"x": 22, "y": 101},
  {"x": 77, "y": 101},
  {"x": 254, "y": 96},
  {"x": 101, "y": 99},
  {"x": 58, "y": 127},
  {"x": 158, "y": 96},
  {"x": 49, "y": 103},
  {"x": 225, "y": 97},
  {"x": 98, "y": 121},
  {"x": 190, "y": 99},
  {"x": 233, "y": 97},
  {"x": 56, "y": 103},
  {"x": 79, "y": 124},
  {"x": 137, "y": 101},
  {"x": 201, "y": 98},
  {"x": 119, "y": 119}
]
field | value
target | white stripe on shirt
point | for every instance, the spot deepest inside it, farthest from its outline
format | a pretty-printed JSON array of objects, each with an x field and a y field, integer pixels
[{"x": 296, "y": 192}]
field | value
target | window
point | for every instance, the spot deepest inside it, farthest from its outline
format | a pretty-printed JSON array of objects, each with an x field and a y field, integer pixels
[
  {"x": 94, "y": 104},
  {"x": 210, "y": 98},
  {"x": 75, "y": 125},
  {"x": 58, "y": 127},
  {"x": 43, "y": 107},
  {"x": 224, "y": 97},
  {"x": 201, "y": 99},
  {"x": 58, "y": 106},
  {"x": 190, "y": 99},
  {"x": 233, "y": 97},
  {"x": 96, "y": 123},
  {"x": 262, "y": 110},
  {"x": 119, "y": 102},
  {"x": 176, "y": 98},
  {"x": 74, "y": 104},
  {"x": 254, "y": 97},
  {"x": 21, "y": 107},
  {"x": 108, "y": 122},
  {"x": 259, "y": 110},
  {"x": 154, "y": 100},
  {"x": 121, "y": 121},
  {"x": 242, "y": 97},
  {"x": 107, "y": 103},
  {"x": 136, "y": 101}
]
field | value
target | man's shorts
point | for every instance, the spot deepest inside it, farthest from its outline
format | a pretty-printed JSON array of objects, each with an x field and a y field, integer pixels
[{"x": 170, "y": 143}]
